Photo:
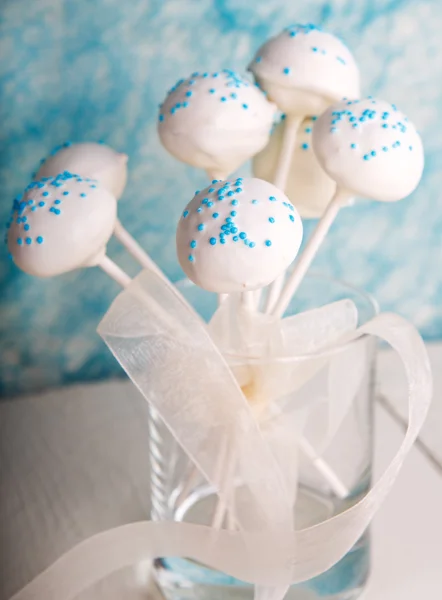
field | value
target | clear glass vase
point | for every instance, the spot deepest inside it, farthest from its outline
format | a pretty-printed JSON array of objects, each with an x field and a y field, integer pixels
[{"x": 178, "y": 495}]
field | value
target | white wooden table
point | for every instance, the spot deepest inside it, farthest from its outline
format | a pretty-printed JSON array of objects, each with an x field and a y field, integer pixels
[{"x": 61, "y": 481}]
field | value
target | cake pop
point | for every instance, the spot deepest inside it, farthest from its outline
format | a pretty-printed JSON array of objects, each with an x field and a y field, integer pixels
[
  {"x": 215, "y": 121},
  {"x": 63, "y": 223},
  {"x": 370, "y": 149},
  {"x": 90, "y": 160},
  {"x": 303, "y": 70},
  {"x": 109, "y": 168},
  {"x": 238, "y": 235},
  {"x": 309, "y": 187}
]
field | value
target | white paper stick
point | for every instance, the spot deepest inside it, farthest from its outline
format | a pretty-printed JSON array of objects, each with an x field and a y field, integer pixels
[
  {"x": 114, "y": 271},
  {"x": 134, "y": 248},
  {"x": 340, "y": 198}
]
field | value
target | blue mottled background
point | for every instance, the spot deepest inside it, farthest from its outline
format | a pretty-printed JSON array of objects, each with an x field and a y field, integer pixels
[{"x": 96, "y": 70}]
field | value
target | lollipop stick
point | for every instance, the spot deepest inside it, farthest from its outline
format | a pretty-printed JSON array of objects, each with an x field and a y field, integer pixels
[
  {"x": 134, "y": 248},
  {"x": 291, "y": 127},
  {"x": 340, "y": 198},
  {"x": 114, "y": 271}
]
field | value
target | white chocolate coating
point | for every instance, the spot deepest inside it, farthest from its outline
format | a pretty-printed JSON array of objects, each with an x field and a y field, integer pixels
[
  {"x": 309, "y": 187},
  {"x": 305, "y": 69},
  {"x": 215, "y": 121},
  {"x": 238, "y": 235},
  {"x": 370, "y": 149},
  {"x": 89, "y": 159},
  {"x": 61, "y": 224}
]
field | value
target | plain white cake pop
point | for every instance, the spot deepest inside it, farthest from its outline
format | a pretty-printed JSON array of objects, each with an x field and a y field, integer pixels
[
  {"x": 60, "y": 224},
  {"x": 89, "y": 159},
  {"x": 238, "y": 235},
  {"x": 305, "y": 69},
  {"x": 370, "y": 149},
  {"x": 308, "y": 186},
  {"x": 215, "y": 121}
]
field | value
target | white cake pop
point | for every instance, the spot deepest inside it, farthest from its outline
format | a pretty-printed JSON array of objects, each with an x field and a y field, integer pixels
[
  {"x": 60, "y": 224},
  {"x": 308, "y": 186},
  {"x": 305, "y": 69},
  {"x": 370, "y": 149},
  {"x": 88, "y": 159},
  {"x": 238, "y": 235},
  {"x": 215, "y": 121}
]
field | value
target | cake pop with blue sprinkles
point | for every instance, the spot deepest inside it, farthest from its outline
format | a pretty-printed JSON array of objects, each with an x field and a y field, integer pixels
[
  {"x": 238, "y": 235},
  {"x": 305, "y": 69},
  {"x": 59, "y": 224},
  {"x": 308, "y": 186},
  {"x": 89, "y": 159},
  {"x": 215, "y": 121},
  {"x": 370, "y": 149}
]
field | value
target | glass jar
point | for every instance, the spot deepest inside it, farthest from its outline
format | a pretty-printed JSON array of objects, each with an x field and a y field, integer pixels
[{"x": 329, "y": 481}]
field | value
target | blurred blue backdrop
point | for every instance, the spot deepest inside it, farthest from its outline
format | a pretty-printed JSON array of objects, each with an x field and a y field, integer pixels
[{"x": 97, "y": 70}]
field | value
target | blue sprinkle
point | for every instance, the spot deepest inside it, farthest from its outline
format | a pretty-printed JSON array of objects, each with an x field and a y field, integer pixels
[
  {"x": 243, "y": 235},
  {"x": 211, "y": 190},
  {"x": 234, "y": 203},
  {"x": 353, "y": 146},
  {"x": 210, "y": 204},
  {"x": 291, "y": 217},
  {"x": 230, "y": 194},
  {"x": 314, "y": 49},
  {"x": 272, "y": 198},
  {"x": 193, "y": 244},
  {"x": 373, "y": 152},
  {"x": 19, "y": 241},
  {"x": 233, "y": 95},
  {"x": 366, "y": 157},
  {"x": 57, "y": 201},
  {"x": 185, "y": 104},
  {"x": 39, "y": 239},
  {"x": 190, "y": 258},
  {"x": 254, "y": 201},
  {"x": 215, "y": 215},
  {"x": 314, "y": 118},
  {"x": 271, "y": 220},
  {"x": 308, "y": 130},
  {"x": 304, "y": 146},
  {"x": 233, "y": 213},
  {"x": 212, "y": 241},
  {"x": 235, "y": 238},
  {"x": 223, "y": 98},
  {"x": 211, "y": 91},
  {"x": 220, "y": 198},
  {"x": 57, "y": 211},
  {"x": 268, "y": 243},
  {"x": 201, "y": 227},
  {"x": 185, "y": 213},
  {"x": 41, "y": 203},
  {"x": 28, "y": 240},
  {"x": 286, "y": 71},
  {"x": 45, "y": 194},
  {"x": 234, "y": 230},
  {"x": 204, "y": 200},
  {"x": 238, "y": 190},
  {"x": 83, "y": 195},
  {"x": 30, "y": 202},
  {"x": 26, "y": 227},
  {"x": 65, "y": 193},
  {"x": 189, "y": 93},
  {"x": 198, "y": 210},
  {"x": 161, "y": 118},
  {"x": 252, "y": 244},
  {"x": 384, "y": 125},
  {"x": 215, "y": 180},
  {"x": 245, "y": 106}
]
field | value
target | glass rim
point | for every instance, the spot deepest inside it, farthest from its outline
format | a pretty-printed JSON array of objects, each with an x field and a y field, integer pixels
[{"x": 326, "y": 352}]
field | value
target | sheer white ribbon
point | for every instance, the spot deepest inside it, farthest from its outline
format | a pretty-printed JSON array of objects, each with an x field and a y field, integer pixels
[{"x": 166, "y": 333}]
